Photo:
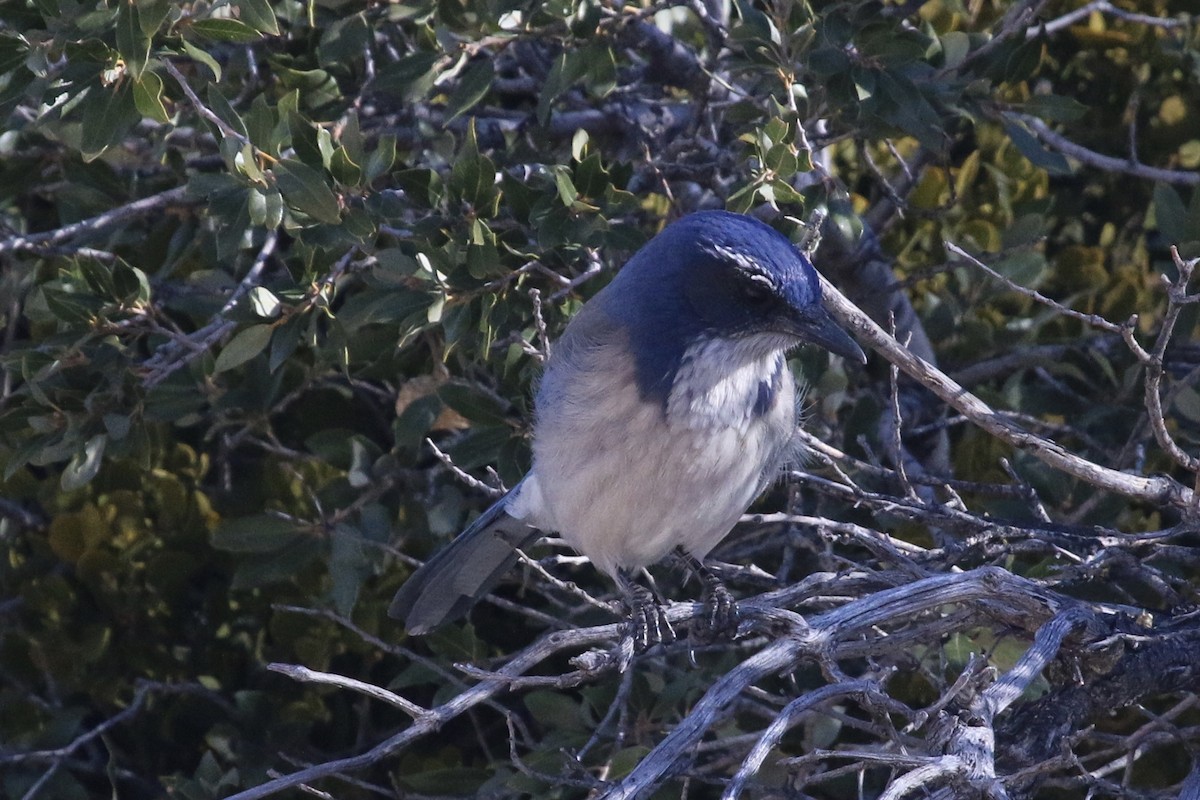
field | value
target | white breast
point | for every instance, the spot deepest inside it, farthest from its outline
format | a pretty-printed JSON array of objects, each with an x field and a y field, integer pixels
[{"x": 625, "y": 480}]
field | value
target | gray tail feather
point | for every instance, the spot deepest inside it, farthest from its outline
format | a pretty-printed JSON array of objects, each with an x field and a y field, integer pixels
[{"x": 447, "y": 585}]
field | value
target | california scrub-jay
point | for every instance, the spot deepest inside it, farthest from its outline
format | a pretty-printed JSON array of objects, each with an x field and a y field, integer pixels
[{"x": 666, "y": 407}]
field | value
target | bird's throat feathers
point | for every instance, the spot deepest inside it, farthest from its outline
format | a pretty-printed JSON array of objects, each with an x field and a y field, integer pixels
[{"x": 728, "y": 382}]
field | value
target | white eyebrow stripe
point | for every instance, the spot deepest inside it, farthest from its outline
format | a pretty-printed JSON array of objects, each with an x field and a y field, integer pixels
[
  {"x": 758, "y": 277},
  {"x": 746, "y": 265}
]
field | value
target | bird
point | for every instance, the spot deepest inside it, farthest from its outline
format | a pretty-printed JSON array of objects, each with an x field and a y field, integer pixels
[{"x": 664, "y": 409}]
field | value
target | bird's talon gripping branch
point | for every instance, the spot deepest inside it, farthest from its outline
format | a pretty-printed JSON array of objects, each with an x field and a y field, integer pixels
[
  {"x": 651, "y": 626},
  {"x": 719, "y": 617},
  {"x": 648, "y": 618}
]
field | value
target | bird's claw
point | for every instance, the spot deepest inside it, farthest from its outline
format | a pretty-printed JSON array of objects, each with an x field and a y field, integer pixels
[
  {"x": 649, "y": 619},
  {"x": 720, "y": 616}
]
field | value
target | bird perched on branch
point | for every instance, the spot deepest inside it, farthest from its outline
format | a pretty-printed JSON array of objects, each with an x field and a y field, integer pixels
[{"x": 666, "y": 407}]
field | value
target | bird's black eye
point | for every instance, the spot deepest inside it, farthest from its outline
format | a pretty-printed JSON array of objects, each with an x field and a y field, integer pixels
[{"x": 756, "y": 292}]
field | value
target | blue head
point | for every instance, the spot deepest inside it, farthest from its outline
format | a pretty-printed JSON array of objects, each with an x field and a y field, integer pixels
[{"x": 718, "y": 275}]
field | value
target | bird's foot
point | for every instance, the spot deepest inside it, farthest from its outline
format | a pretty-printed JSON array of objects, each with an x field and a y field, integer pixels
[
  {"x": 720, "y": 617},
  {"x": 647, "y": 616}
]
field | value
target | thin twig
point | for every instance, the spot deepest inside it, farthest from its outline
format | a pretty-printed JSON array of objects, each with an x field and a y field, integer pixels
[
  {"x": 1094, "y": 320},
  {"x": 178, "y": 352},
  {"x": 1091, "y": 158},
  {"x": 201, "y": 109},
  {"x": 493, "y": 492},
  {"x": 306, "y": 675},
  {"x": 114, "y": 216},
  {"x": 1157, "y": 489}
]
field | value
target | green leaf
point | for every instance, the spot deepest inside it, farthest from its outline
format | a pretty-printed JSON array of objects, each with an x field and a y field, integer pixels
[
  {"x": 151, "y": 14},
  {"x": 1187, "y": 403},
  {"x": 1029, "y": 146},
  {"x": 344, "y": 41},
  {"x": 422, "y": 185},
  {"x": 311, "y": 148},
  {"x": 566, "y": 188},
  {"x": 755, "y": 27},
  {"x": 229, "y": 204},
  {"x": 76, "y": 307},
  {"x": 381, "y": 158},
  {"x": 1024, "y": 267},
  {"x": 84, "y": 465},
  {"x": 473, "y": 176},
  {"x": 147, "y": 96},
  {"x": 864, "y": 82},
  {"x": 556, "y": 710},
  {"x": 282, "y": 564},
  {"x": 259, "y": 15},
  {"x": 344, "y": 171},
  {"x": 1171, "y": 216},
  {"x": 132, "y": 41},
  {"x": 130, "y": 284},
  {"x": 472, "y": 403},
  {"x": 1055, "y": 107},
  {"x": 349, "y": 566},
  {"x": 904, "y": 106},
  {"x": 266, "y": 208},
  {"x": 413, "y": 424},
  {"x": 285, "y": 341},
  {"x": 343, "y": 448},
  {"x": 828, "y": 61},
  {"x": 781, "y": 159},
  {"x": 262, "y": 533},
  {"x": 1024, "y": 61},
  {"x": 359, "y": 226},
  {"x": 410, "y": 78},
  {"x": 563, "y": 74},
  {"x": 262, "y": 124},
  {"x": 107, "y": 116},
  {"x": 480, "y": 447},
  {"x": 248, "y": 343},
  {"x": 98, "y": 277},
  {"x": 226, "y": 30},
  {"x": 955, "y": 46},
  {"x": 203, "y": 57},
  {"x": 622, "y": 762},
  {"x": 590, "y": 176},
  {"x": 225, "y": 110},
  {"x": 472, "y": 87},
  {"x": 351, "y": 138},
  {"x": 305, "y": 190}
]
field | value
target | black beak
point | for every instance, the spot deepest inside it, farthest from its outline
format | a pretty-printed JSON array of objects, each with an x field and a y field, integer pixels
[{"x": 816, "y": 326}]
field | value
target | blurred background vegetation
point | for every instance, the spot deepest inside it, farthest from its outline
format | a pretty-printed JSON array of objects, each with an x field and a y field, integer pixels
[{"x": 256, "y": 252}]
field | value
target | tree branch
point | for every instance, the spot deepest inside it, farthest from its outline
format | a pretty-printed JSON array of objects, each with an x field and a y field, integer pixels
[
  {"x": 1091, "y": 158},
  {"x": 1158, "y": 490},
  {"x": 146, "y": 205}
]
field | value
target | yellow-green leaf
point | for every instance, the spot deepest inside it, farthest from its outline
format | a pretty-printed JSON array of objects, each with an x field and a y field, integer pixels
[
  {"x": 226, "y": 30},
  {"x": 147, "y": 96}
]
